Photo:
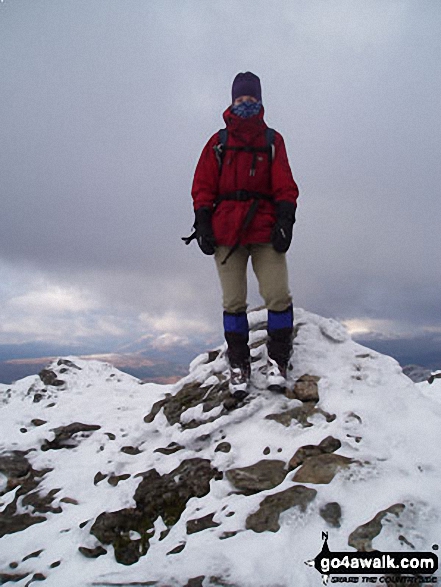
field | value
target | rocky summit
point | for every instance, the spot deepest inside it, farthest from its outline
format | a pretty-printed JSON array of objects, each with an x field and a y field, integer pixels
[{"x": 105, "y": 480}]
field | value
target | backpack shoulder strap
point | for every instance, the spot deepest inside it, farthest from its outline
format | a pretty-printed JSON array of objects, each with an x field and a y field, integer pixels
[
  {"x": 223, "y": 136},
  {"x": 270, "y": 135},
  {"x": 219, "y": 148}
]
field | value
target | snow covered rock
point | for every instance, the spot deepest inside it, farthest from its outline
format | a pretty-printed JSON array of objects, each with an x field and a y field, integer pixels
[{"x": 108, "y": 481}]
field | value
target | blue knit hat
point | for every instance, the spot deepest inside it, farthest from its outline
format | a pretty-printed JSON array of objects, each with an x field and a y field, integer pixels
[{"x": 246, "y": 84}]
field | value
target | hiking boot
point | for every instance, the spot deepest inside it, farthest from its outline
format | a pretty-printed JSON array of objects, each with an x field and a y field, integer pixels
[
  {"x": 276, "y": 376},
  {"x": 239, "y": 377}
]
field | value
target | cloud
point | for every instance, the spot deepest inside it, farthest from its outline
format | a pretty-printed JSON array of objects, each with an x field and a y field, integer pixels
[
  {"x": 42, "y": 309},
  {"x": 53, "y": 299},
  {"x": 106, "y": 107},
  {"x": 364, "y": 327},
  {"x": 172, "y": 323},
  {"x": 168, "y": 340},
  {"x": 355, "y": 24}
]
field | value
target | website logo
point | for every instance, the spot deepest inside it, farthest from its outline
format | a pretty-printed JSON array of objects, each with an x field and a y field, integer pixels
[{"x": 409, "y": 564}]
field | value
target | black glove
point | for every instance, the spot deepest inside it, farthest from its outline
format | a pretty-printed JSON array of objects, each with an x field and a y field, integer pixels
[
  {"x": 204, "y": 231},
  {"x": 282, "y": 232}
]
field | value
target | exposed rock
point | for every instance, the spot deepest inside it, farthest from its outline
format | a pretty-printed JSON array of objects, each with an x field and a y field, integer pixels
[
  {"x": 68, "y": 363},
  {"x": 42, "y": 503},
  {"x": 232, "y": 402},
  {"x": 178, "y": 549},
  {"x": 322, "y": 468},
  {"x": 226, "y": 535},
  {"x": 331, "y": 513},
  {"x": 156, "y": 496},
  {"x": 69, "y": 500},
  {"x": 64, "y": 436},
  {"x": 25, "y": 480},
  {"x": 213, "y": 355},
  {"x": 38, "y": 422},
  {"x": 83, "y": 524},
  {"x": 203, "y": 438},
  {"x": 199, "y": 524},
  {"x": 301, "y": 415},
  {"x": 131, "y": 450},
  {"x": 9, "y": 524},
  {"x": 195, "y": 581},
  {"x": 223, "y": 447},
  {"x": 164, "y": 533},
  {"x": 361, "y": 538},
  {"x": 170, "y": 448},
  {"x": 267, "y": 516},
  {"x": 98, "y": 478},
  {"x": 169, "y": 494},
  {"x": 49, "y": 377},
  {"x": 327, "y": 445},
  {"x": 220, "y": 582},
  {"x": 156, "y": 408},
  {"x": 14, "y": 465},
  {"x": 37, "y": 577},
  {"x": 404, "y": 540},
  {"x": 115, "y": 528},
  {"x": 216, "y": 396},
  {"x": 115, "y": 479},
  {"x": 189, "y": 396},
  {"x": 35, "y": 554},
  {"x": 265, "y": 474},
  {"x": 305, "y": 389},
  {"x": 434, "y": 376},
  {"x": 12, "y": 577},
  {"x": 92, "y": 552}
]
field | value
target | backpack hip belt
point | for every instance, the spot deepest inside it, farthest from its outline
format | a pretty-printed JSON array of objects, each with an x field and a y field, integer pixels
[{"x": 243, "y": 196}]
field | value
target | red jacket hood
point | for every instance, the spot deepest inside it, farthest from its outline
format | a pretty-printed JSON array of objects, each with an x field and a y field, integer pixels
[{"x": 245, "y": 130}]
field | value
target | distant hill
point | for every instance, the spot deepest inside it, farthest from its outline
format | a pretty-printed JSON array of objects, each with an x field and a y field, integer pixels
[{"x": 159, "y": 371}]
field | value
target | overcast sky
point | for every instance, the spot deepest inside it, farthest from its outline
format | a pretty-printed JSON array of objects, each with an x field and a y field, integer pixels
[{"x": 106, "y": 105}]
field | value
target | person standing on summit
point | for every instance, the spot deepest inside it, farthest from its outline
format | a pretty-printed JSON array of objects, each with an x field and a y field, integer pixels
[{"x": 244, "y": 198}]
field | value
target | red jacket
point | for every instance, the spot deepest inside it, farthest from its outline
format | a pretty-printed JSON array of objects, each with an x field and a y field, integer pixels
[{"x": 278, "y": 182}]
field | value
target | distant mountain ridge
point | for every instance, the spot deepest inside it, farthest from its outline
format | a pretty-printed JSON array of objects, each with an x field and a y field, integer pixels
[{"x": 155, "y": 370}]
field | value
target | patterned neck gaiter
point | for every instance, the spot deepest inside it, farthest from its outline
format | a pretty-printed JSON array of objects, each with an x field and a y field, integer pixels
[{"x": 247, "y": 109}]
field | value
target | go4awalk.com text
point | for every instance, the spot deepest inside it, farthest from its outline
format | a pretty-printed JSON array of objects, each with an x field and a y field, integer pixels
[
  {"x": 367, "y": 562},
  {"x": 393, "y": 568}
]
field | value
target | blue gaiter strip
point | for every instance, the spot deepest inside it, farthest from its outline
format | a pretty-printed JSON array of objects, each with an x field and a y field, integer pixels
[
  {"x": 236, "y": 323},
  {"x": 277, "y": 320}
]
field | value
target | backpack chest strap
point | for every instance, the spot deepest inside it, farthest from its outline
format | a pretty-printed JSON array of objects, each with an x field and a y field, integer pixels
[{"x": 222, "y": 146}]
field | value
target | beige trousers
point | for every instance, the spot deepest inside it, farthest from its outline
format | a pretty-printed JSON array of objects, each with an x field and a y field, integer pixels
[{"x": 270, "y": 269}]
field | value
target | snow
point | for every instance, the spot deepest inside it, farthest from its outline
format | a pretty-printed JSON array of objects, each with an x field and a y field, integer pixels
[{"x": 388, "y": 424}]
